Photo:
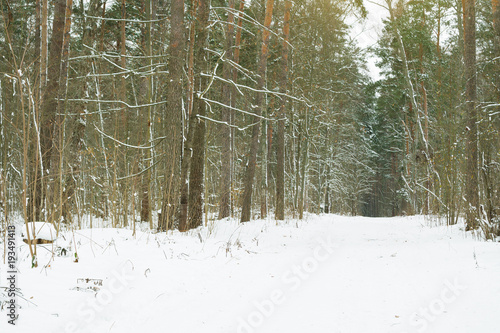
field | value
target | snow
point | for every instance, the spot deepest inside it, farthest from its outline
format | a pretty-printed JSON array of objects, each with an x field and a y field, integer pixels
[{"x": 324, "y": 274}]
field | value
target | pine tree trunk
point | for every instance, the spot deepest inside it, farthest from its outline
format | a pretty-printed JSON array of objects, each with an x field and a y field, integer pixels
[
  {"x": 196, "y": 171},
  {"x": 191, "y": 47},
  {"x": 304, "y": 161},
  {"x": 280, "y": 159},
  {"x": 264, "y": 160},
  {"x": 147, "y": 83},
  {"x": 57, "y": 170},
  {"x": 495, "y": 5},
  {"x": 173, "y": 114},
  {"x": 123, "y": 130},
  {"x": 259, "y": 100},
  {"x": 191, "y": 118},
  {"x": 426, "y": 207},
  {"x": 296, "y": 169},
  {"x": 35, "y": 186},
  {"x": 471, "y": 182},
  {"x": 43, "y": 45},
  {"x": 234, "y": 94},
  {"x": 225, "y": 181}
]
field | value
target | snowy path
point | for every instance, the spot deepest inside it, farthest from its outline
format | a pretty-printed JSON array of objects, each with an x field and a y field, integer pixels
[{"x": 332, "y": 274}]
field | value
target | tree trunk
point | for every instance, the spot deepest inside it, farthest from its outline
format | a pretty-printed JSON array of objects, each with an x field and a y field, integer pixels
[
  {"x": 225, "y": 181},
  {"x": 43, "y": 45},
  {"x": 280, "y": 159},
  {"x": 147, "y": 82},
  {"x": 296, "y": 168},
  {"x": 495, "y": 5},
  {"x": 191, "y": 117},
  {"x": 259, "y": 100},
  {"x": 173, "y": 114},
  {"x": 35, "y": 187},
  {"x": 49, "y": 101},
  {"x": 471, "y": 182},
  {"x": 234, "y": 94},
  {"x": 426, "y": 125},
  {"x": 303, "y": 167},
  {"x": 60, "y": 200},
  {"x": 196, "y": 171},
  {"x": 190, "y": 69},
  {"x": 123, "y": 129},
  {"x": 326, "y": 208}
]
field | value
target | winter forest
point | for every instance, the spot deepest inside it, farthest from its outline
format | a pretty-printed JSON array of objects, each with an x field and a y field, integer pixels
[{"x": 142, "y": 133}]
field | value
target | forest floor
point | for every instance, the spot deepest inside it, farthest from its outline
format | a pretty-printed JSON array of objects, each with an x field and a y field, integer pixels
[{"x": 324, "y": 274}]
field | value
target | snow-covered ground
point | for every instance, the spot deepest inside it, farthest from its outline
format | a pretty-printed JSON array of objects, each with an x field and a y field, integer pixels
[{"x": 324, "y": 274}]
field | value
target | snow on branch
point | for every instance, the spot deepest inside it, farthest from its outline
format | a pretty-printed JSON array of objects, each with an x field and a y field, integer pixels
[
  {"x": 126, "y": 20},
  {"x": 126, "y": 144}
]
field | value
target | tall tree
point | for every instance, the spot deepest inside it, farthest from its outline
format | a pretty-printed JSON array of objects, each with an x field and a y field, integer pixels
[
  {"x": 196, "y": 171},
  {"x": 495, "y": 6},
  {"x": 173, "y": 113},
  {"x": 49, "y": 100},
  {"x": 280, "y": 160},
  {"x": 35, "y": 184},
  {"x": 471, "y": 180},
  {"x": 225, "y": 183},
  {"x": 191, "y": 118},
  {"x": 59, "y": 198},
  {"x": 234, "y": 95}
]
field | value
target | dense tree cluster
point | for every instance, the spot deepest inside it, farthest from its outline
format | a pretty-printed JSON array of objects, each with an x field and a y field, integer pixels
[
  {"x": 201, "y": 109},
  {"x": 436, "y": 123}
]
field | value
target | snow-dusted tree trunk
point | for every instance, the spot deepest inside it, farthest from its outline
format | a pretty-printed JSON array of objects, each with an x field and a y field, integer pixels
[
  {"x": 49, "y": 107},
  {"x": 225, "y": 181},
  {"x": 471, "y": 176},
  {"x": 280, "y": 160},
  {"x": 196, "y": 170},
  {"x": 173, "y": 114}
]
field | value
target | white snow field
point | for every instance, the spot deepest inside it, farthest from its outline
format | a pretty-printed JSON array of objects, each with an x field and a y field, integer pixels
[{"x": 324, "y": 274}]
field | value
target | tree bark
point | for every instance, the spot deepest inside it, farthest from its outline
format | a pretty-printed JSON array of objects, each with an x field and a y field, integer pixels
[
  {"x": 426, "y": 207},
  {"x": 495, "y": 8},
  {"x": 196, "y": 171},
  {"x": 471, "y": 182},
  {"x": 33, "y": 167},
  {"x": 147, "y": 86},
  {"x": 173, "y": 113},
  {"x": 123, "y": 129},
  {"x": 304, "y": 161},
  {"x": 495, "y": 5},
  {"x": 225, "y": 181},
  {"x": 280, "y": 160},
  {"x": 57, "y": 166},
  {"x": 189, "y": 134},
  {"x": 234, "y": 94},
  {"x": 48, "y": 135}
]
